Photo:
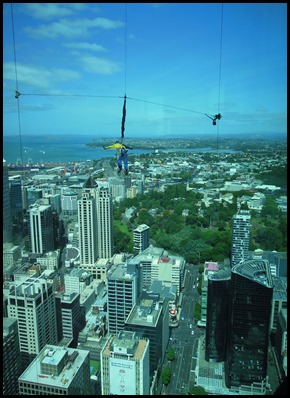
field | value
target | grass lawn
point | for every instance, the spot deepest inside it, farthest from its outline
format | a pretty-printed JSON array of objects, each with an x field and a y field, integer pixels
[{"x": 94, "y": 366}]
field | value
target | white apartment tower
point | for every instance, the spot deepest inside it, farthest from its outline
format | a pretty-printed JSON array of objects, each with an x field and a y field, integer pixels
[
  {"x": 40, "y": 228},
  {"x": 32, "y": 303},
  {"x": 105, "y": 222},
  {"x": 141, "y": 238},
  {"x": 125, "y": 365},
  {"x": 87, "y": 219},
  {"x": 240, "y": 236}
]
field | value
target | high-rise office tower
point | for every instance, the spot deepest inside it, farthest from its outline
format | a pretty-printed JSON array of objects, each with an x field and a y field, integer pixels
[
  {"x": 240, "y": 236},
  {"x": 57, "y": 371},
  {"x": 31, "y": 195},
  {"x": 69, "y": 205},
  {"x": 87, "y": 218},
  {"x": 7, "y": 222},
  {"x": 105, "y": 222},
  {"x": 218, "y": 294},
  {"x": 72, "y": 316},
  {"x": 125, "y": 365},
  {"x": 141, "y": 238},
  {"x": 11, "y": 357},
  {"x": 15, "y": 188},
  {"x": 250, "y": 307},
  {"x": 40, "y": 229},
  {"x": 32, "y": 303},
  {"x": 149, "y": 318},
  {"x": 123, "y": 291}
]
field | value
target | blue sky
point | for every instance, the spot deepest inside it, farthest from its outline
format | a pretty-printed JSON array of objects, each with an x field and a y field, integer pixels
[{"x": 83, "y": 57}]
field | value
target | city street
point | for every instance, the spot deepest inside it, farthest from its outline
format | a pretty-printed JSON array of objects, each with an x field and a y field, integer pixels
[{"x": 184, "y": 340}]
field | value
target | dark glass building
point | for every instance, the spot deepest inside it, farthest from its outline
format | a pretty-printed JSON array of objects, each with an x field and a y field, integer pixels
[
  {"x": 249, "y": 323},
  {"x": 218, "y": 291}
]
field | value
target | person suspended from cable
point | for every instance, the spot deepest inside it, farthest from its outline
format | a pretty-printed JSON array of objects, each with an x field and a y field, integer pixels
[
  {"x": 214, "y": 118},
  {"x": 121, "y": 148},
  {"x": 122, "y": 152}
]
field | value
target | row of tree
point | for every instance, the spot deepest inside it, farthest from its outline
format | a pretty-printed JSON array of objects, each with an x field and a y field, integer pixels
[{"x": 196, "y": 237}]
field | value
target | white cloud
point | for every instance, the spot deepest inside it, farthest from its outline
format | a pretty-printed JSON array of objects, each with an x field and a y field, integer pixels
[
  {"x": 52, "y": 10},
  {"x": 98, "y": 65},
  {"x": 38, "y": 77},
  {"x": 72, "y": 28},
  {"x": 85, "y": 46}
]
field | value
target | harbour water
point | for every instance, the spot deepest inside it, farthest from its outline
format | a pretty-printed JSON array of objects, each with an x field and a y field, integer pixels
[{"x": 42, "y": 149}]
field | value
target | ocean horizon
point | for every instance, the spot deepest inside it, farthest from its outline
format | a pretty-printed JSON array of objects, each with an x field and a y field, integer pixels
[{"x": 43, "y": 149}]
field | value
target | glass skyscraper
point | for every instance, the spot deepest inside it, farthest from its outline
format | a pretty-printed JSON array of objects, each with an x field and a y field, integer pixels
[
  {"x": 249, "y": 323},
  {"x": 217, "y": 315}
]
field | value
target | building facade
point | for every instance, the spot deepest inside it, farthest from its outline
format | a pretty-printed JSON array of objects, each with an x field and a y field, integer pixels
[
  {"x": 105, "y": 222},
  {"x": 240, "y": 237},
  {"x": 72, "y": 315},
  {"x": 123, "y": 291},
  {"x": 57, "y": 370},
  {"x": 248, "y": 331},
  {"x": 11, "y": 357},
  {"x": 32, "y": 303},
  {"x": 40, "y": 229},
  {"x": 218, "y": 290},
  {"x": 149, "y": 318},
  {"x": 140, "y": 238},
  {"x": 87, "y": 218},
  {"x": 69, "y": 205},
  {"x": 125, "y": 365}
]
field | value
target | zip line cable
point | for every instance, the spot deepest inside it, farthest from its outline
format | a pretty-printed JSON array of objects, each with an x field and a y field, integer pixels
[
  {"x": 213, "y": 117},
  {"x": 220, "y": 70},
  {"x": 16, "y": 83},
  {"x": 125, "y": 78}
]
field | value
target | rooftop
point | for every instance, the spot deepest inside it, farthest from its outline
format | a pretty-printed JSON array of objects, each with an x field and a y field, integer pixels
[{"x": 63, "y": 360}]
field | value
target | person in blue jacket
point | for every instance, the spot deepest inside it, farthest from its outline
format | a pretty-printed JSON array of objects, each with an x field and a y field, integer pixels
[{"x": 122, "y": 155}]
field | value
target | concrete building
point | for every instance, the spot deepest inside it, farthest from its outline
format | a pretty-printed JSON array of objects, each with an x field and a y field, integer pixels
[
  {"x": 88, "y": 237},
  {"x": 149, "y": 318},
  {"x": 54, "y": 200},
  {"x": 123, "y": 291},
  {"x": 40, "y": 229},
  {"x": 32, "y": 303},
  {"x": 140, "y": 238},
  {"x": 11, "y": 254},
  {"x": 69, "y": 205},
  {"x": 155, "y": 263},
  {"x": 76, "y": 280},
  {"x": 50, "y": 260},
  {"x": 71, "y": 315},
  {"x": 105, "y": 222},
  {"x": 11, "y": 357},
  {"x": 57, "y": 371},
  {"x": 125, "y": 365},
  {"x": 240, "y": 236},
  {"x": 210, "y": 268}
]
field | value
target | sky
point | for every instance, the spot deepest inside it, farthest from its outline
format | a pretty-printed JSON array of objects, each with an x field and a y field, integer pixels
[{"x": 72, "y": 64}]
